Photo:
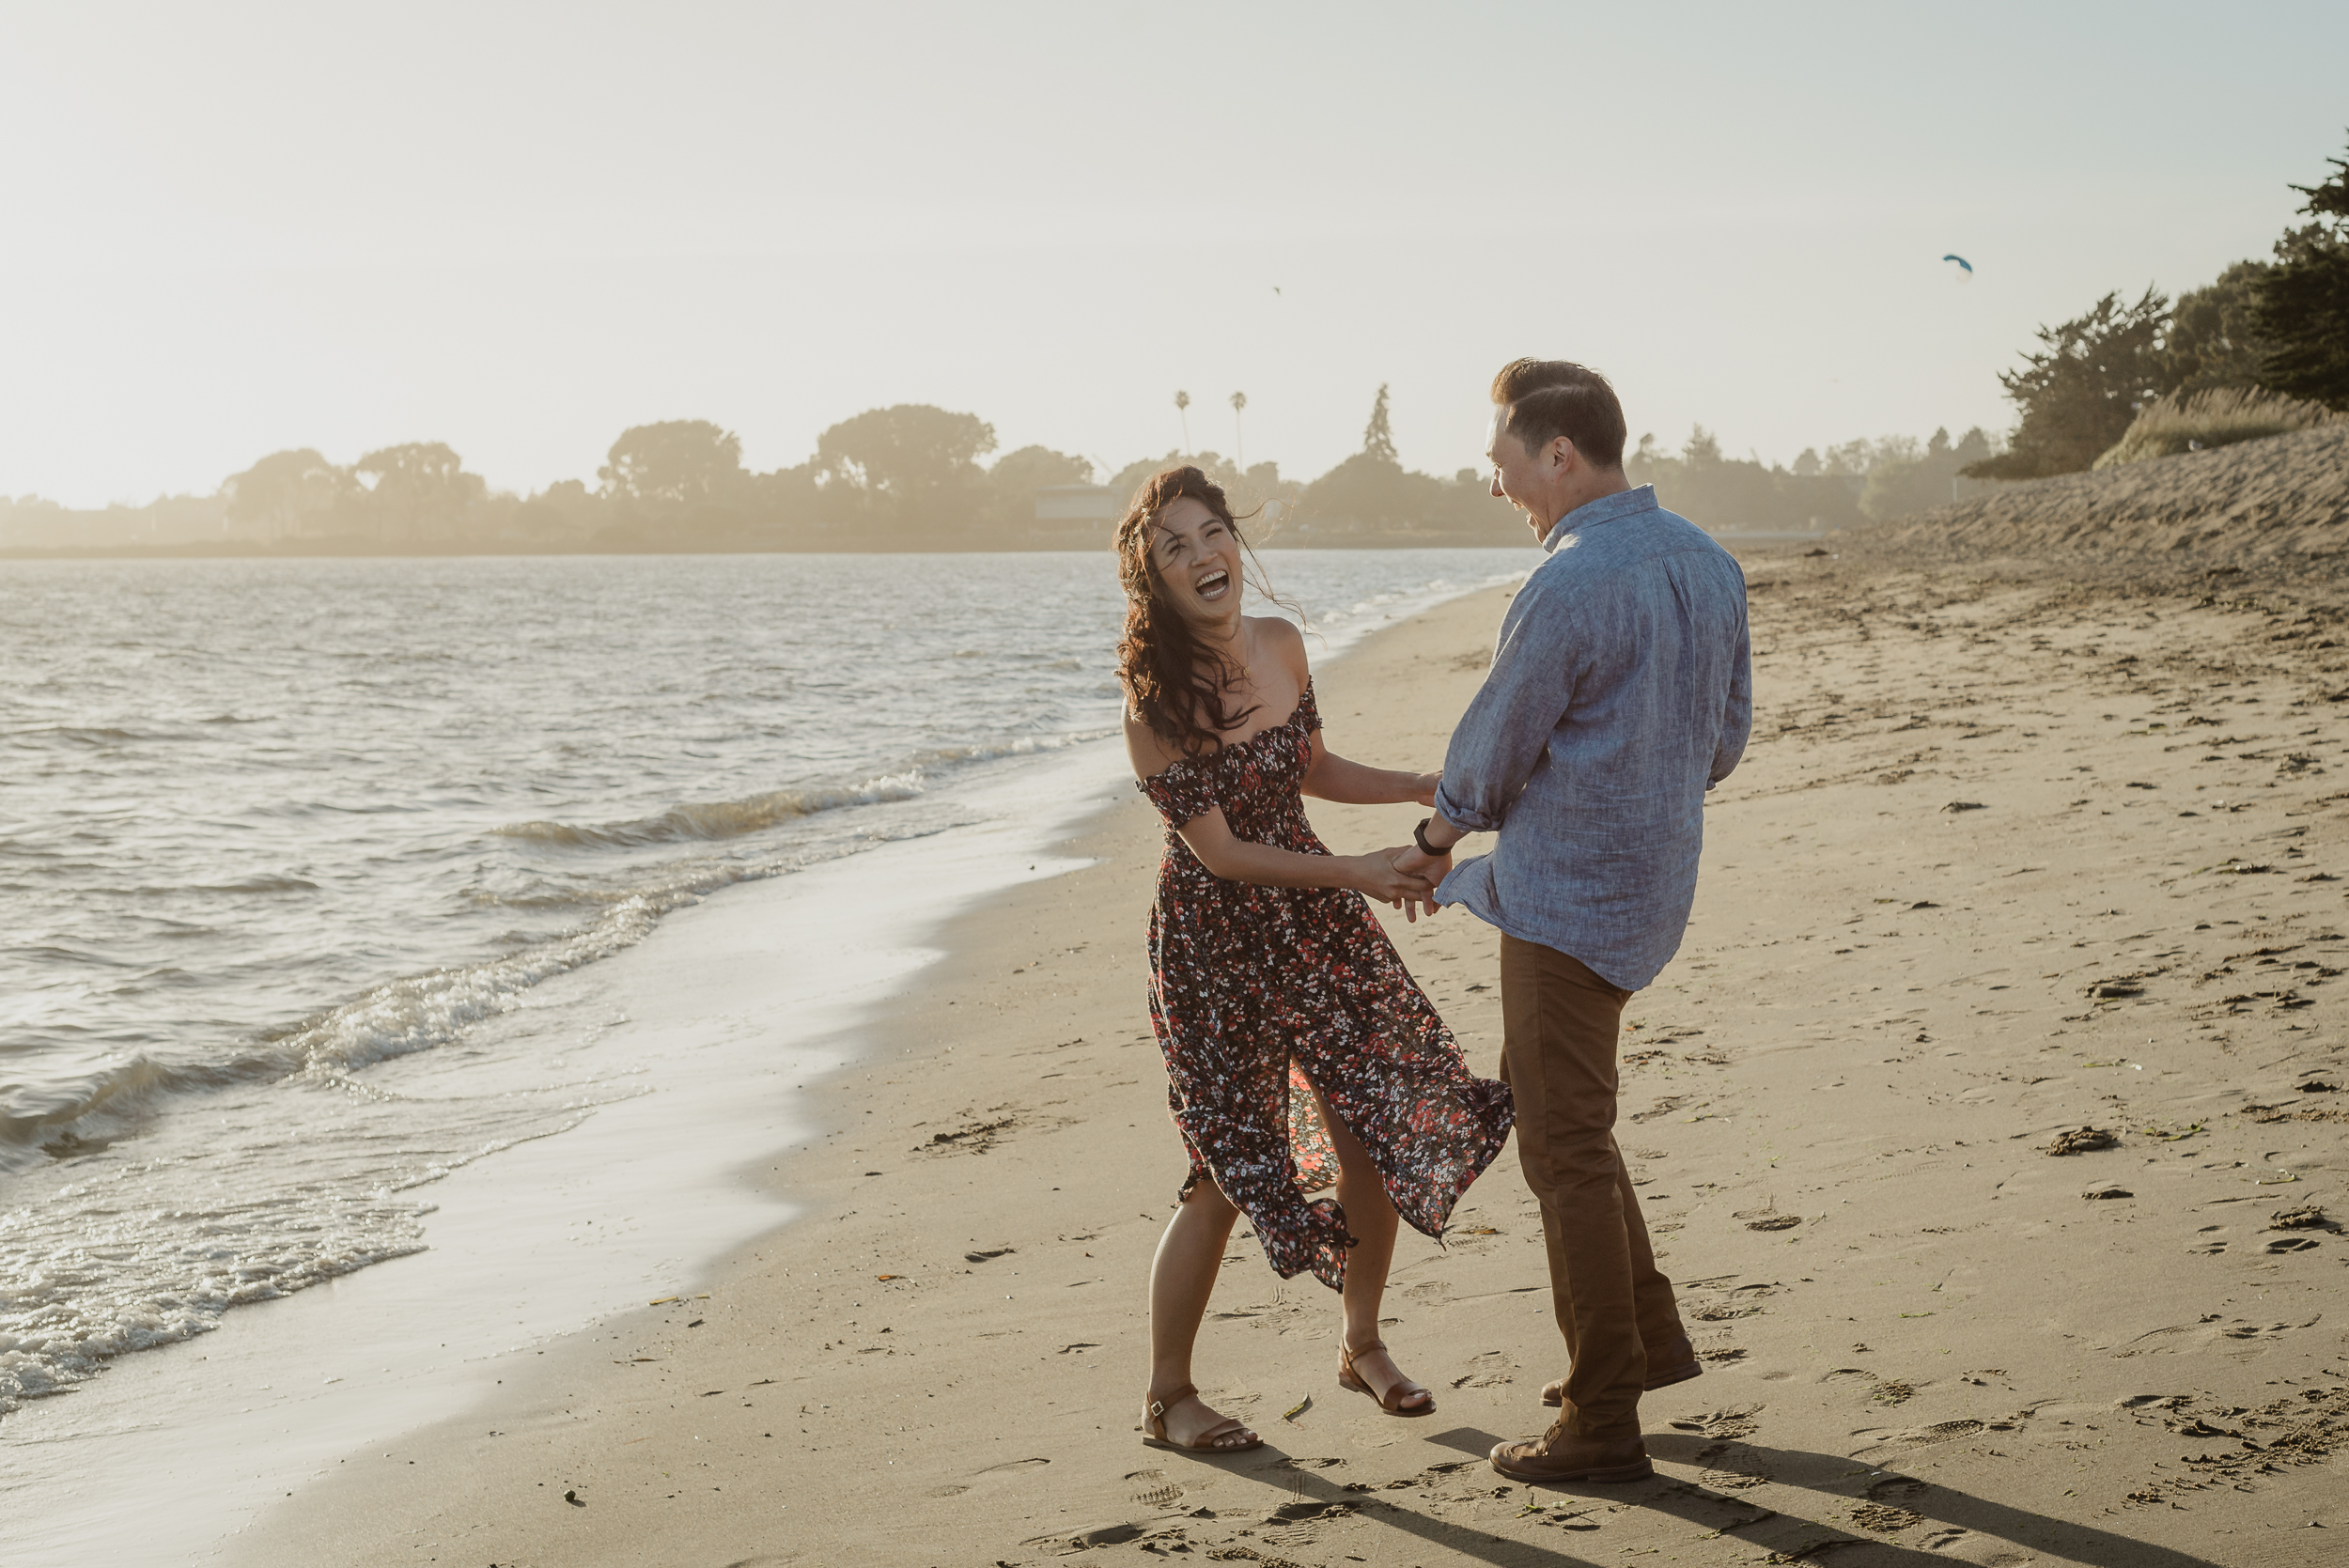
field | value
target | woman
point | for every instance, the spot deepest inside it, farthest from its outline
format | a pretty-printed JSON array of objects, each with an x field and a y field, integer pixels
[{"x": 1293, "y": 1035}]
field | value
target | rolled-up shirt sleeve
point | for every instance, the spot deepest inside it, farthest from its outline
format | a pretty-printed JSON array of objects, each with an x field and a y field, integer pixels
[
  {"x": 1737, "y": 714},
  {"x": 1502, "y": 737}
]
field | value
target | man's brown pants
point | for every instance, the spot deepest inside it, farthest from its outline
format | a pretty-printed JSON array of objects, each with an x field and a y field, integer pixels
[{"x": 1558, "y": 1024}]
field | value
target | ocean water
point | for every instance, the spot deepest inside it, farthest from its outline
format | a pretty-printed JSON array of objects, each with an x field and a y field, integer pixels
[{"x": 286, "y": 847}]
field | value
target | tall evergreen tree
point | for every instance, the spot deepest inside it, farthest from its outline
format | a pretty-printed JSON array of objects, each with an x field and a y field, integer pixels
[
  {"x": 1378, "y": 436},
  {"x": 2078, "y": 394},
  {"x": 2303, "y": 306}
]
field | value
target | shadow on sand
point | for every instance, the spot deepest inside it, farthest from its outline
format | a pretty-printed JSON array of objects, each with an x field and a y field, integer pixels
[{"x": 1944, "y": 1519}]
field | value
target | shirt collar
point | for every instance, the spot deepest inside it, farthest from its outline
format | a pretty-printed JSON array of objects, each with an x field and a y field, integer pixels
[{"x": 1623, "y": 504}]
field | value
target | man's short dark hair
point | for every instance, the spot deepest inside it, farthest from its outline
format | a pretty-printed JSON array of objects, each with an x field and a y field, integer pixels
[{"x": 1551, "y": 397}]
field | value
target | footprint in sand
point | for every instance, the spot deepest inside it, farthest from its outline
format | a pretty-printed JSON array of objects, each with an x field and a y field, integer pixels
[
  {"x": 1921, "y": 1436},
  {"x": 1489, "y": 1370},
  {"x": 1099, "y": 1535},
  {"x": 1884, "y": 1519},
  {"x": 1731, "y": 1480},
  {"x": 1734, "y": 1421},
  {"x": 974, "y": 1137}
]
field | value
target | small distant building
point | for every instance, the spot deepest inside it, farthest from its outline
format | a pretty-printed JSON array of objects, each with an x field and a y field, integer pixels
[{"x": 1094, "y": 509}]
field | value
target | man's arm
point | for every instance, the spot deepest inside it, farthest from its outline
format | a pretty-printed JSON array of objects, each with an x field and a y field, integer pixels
[
  {"x": 1737, "y": 717},
  {"x": 1502, "y": 737}
]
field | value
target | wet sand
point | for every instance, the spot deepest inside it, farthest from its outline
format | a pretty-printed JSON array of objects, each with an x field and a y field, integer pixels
[{"x": 2010, "y": 869}]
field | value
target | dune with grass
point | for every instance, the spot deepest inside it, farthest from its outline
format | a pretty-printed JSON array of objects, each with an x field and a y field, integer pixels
[{"x": 2280, "y": 499}]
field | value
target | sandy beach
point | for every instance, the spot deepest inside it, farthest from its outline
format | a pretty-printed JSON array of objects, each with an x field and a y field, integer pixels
[{"x": 1988, "y": 1113}]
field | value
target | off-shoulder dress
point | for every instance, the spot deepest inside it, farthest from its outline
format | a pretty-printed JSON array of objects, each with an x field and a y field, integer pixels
[{"x": 1260, "y": 995}]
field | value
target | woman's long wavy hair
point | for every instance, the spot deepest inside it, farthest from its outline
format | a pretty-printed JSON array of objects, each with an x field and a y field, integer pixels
[{"x": 1175, "y": 684}]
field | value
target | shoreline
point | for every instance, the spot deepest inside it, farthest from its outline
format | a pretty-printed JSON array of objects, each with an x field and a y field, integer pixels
[
  {"x": 949, "y": 1066},
  {"x": 298, "y": 1358},
  {"x": 1922, "y": 1331},
  {"x": 660, "y": 1180}
]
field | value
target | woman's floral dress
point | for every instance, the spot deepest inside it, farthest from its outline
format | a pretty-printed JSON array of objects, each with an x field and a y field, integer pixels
[{"x": 1261, "y": 995}]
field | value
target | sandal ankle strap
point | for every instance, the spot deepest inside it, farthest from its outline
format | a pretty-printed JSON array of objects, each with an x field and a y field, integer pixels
[{"x": 1159, "y": 1407}]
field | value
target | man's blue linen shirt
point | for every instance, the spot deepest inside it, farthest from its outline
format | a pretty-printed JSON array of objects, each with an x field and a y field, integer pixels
[{"x": 1621, "y": 691}]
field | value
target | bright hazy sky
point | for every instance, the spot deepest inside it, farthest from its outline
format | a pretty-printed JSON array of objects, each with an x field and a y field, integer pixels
[{"x": 228, "y": 228}]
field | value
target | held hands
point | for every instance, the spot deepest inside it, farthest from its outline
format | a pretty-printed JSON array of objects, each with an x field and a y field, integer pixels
[
  {"x": 1430, "y": 869},
  {"x": 1376, "y": 876},
  {"x": 1406, "y": 879}
]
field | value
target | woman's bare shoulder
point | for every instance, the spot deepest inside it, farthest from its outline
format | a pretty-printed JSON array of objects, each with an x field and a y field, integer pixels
[
  {"x": 1283, "y": 640},
  {"x": 1151, "y": 753}
]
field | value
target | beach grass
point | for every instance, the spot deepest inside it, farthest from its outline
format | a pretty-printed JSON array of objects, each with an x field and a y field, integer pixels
[{"x": 2220, "y": 416}]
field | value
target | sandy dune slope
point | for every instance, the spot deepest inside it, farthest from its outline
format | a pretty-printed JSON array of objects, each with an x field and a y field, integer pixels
[{"x": 2285, "y": 500}]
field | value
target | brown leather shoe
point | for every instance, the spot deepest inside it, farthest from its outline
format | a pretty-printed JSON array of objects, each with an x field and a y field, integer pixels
[
  {"x": 1558, "y": 1455},
  {"x": 1681, "y": 1364}
]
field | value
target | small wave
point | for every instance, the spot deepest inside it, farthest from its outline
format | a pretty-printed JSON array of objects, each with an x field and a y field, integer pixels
[
  {"x": 400, "y": 1017},
  {"x": 262, "y": 884},
  {"x": 78, "y": 734},
  {"x": 69, "y": 1118},
  {"x": 717, "y": 819},
  {"x": 1026, "y": 745},
  {"x": 724, "y": 820}
]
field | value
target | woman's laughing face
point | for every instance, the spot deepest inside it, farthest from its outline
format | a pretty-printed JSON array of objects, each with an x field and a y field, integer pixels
[{"x": 1197, "y": 556}]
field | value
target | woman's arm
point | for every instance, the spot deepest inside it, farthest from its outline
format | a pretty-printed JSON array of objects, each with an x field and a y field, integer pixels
[
  {"x": 1238, "y": 860},
  {"x": 1331, "y": 777}
]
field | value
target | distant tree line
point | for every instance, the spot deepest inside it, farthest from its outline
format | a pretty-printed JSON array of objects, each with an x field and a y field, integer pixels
[
  {"x": 911, "y": 477},
  {"x": 2279, "y": 325},
  {"x": 676, "y": 482},
  {"x": 1858, "y": 481},
  {"x": 908, "y": 477}
]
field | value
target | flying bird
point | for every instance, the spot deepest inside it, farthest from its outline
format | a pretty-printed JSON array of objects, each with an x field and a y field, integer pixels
[{"x": 1966, "y": 276}]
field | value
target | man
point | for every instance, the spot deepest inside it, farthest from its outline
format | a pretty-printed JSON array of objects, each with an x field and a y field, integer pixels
[{"x": 1621, "y": 691}]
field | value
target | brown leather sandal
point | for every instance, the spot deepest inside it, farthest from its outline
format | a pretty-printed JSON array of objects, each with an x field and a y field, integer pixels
[
  {"x": 1391, "y": 1400},
  {"x": 1210, "y": 1441}
]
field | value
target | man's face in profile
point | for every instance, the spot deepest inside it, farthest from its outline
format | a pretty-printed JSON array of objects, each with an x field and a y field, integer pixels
[{"x": 1517, "y": 473}]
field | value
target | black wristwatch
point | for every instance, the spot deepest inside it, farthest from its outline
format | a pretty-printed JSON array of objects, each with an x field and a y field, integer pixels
[{"x": 1419, "y": 836}]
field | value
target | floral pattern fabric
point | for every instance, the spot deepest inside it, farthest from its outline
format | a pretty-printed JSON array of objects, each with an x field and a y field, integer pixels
[{"x": 1261, "y": 996}]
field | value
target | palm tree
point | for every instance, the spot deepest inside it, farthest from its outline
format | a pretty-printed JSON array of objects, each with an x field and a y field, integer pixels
[
  {"x": 1182, "y": 406},
  {"x": 1239, "y": 439}
]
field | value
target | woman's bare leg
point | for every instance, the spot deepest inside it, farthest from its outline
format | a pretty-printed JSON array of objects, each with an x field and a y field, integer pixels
[
  {"x": 1370, "y": 1216},
  {"x": 1182, "y": 1277}
]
